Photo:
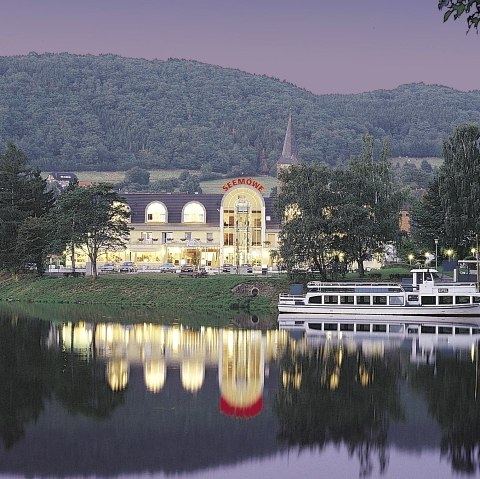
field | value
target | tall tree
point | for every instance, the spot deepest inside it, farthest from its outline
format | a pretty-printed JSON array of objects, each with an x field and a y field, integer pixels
[
  {"x": 305, "y": 204},
  {"x": 23, "y": 197},
  {"x": 427, "y": 218},
  {"x": 369, "y": 215},
  {"x": 94, "y": 218},
  {"x": 459, "y": 187}
]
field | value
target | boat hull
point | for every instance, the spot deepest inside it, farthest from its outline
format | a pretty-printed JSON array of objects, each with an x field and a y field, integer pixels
[{"x": 471, "y": 310}]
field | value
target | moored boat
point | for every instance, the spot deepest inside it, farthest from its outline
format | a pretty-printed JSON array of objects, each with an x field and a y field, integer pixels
[{"x": 425, "y": 295}]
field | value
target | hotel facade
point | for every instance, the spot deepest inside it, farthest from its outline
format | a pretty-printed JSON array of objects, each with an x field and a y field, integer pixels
[{"x": 236, "y": 226}]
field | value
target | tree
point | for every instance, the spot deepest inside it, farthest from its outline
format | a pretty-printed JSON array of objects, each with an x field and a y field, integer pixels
[
  {"x": 137, "y": 175},
  {"x": 94, "y": 218},
  {"x": 459, "y": 187},
  {"x": 190, "y": 184},
  {"x": 23, "y": 198},
  {"x": 427, "y": 218},
  {"x": 368, "y": 215},
  {"x": 305, "y": 204},
  {"x": 331, "y": 211},
  {"x": 458, "y": 8}
]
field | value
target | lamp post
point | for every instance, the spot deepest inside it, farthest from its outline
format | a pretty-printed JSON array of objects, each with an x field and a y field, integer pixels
[
  {"x": 478, "y": 265},
  {"x": 410, "y": 258},
  {"x": 449, "y": 254},
  {"x": 436, "y": 253}
]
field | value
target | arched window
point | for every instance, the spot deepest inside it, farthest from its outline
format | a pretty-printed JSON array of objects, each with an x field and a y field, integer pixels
[
  {"x": 193, "y": 212},
  {"x": 156, "y": 212}
]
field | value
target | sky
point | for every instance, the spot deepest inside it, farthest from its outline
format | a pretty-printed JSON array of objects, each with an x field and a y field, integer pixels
[{"x": 325, "y": 46}]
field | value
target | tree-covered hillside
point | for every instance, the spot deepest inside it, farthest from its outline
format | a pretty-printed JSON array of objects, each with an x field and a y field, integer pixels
[{"x": 73, "y": 112}]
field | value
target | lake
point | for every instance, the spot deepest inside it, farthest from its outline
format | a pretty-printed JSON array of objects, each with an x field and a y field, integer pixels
[{"x": 106, "y": 399}]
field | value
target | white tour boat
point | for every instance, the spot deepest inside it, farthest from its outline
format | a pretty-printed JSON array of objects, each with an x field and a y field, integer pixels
[{"x": 425, "y": 296}]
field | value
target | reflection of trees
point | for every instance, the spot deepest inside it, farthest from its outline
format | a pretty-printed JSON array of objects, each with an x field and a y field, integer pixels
[
  {"x": 82, "y": 388},
  {"x": 30, "y": 372},
  {"x": 331, "y": 394},
  {"x": 25, "y": 376},
  {"x": 451, "y": 390}
]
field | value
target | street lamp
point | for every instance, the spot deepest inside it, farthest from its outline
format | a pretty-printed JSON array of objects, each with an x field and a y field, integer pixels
[
  {"x": 436, "y": 253},
  {"x": 449, "y": 254},
  {"x": 427, "y": 257},
  {"x": 410, "y": 258}
]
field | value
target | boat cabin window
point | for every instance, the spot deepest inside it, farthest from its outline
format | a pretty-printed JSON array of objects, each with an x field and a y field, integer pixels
[
  {"x": 364, "y": 328},
  {"x": 363, "y": 299},
  {"x": 329, "y": 299},
  {"x": 379, "y": 300},
  {"x": 346, "y": 299},
  {"x": 396, "y": 300},
  {"x": 428, "y": 300},
  {"x": 379, "y": 328},
  {"x": 346, "y": 327},
  {"x": 330, "y": 327},
  {"x": 428, "y": 329},
  {"x": 445, "y": 330},
  {"x": 422, "y": 276},
  {"x": 476, "y": 299},
  {"x": 475, "y": 330},
  {"x": 459, "y": 330},
  {"x": 445, "y": 300},
  {"x": 462, "y": 299},
  {"x": 396, "y": 328},
  {"x": 315, "y": 300}
]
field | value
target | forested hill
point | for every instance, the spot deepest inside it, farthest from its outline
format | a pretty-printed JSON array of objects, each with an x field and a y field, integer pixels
[{"x": 73, "y": 112}]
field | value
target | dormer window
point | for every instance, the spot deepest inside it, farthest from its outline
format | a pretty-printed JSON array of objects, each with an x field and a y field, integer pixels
[
  {"x": 156, "y": 212},
  {"x": 194, "y": 212}
]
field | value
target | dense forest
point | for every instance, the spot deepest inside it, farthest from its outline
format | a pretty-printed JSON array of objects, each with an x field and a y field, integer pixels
[{"x": 85, "y": 112}]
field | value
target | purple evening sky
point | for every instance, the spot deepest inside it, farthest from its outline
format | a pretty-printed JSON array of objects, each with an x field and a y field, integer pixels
[{"x": 324, "y": 46}]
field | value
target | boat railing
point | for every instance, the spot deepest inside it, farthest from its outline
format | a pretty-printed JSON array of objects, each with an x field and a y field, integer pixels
[
  {"x": 291, "y": 296},
  {"x": 453, "y": 283},
  {"x": 318, "y": 284}
]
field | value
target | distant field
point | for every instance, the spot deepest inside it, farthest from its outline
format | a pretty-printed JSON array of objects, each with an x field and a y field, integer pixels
[
  {"x": 117, "y": 176},
  {"x": 215, "y": 186},
  {"x": 401, "y": 160},
  {"x": 212, "y": 186}
]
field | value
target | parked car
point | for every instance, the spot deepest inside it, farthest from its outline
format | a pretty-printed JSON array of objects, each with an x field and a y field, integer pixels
[
  {"x": 167, "y": 268},
  {"x": 227, "y": 267},
  {"x": 186, "y": 270},
  {"x": 246, "y": 268},
  {"x": 108, "y": 268},
  {"x": 201, "y": 273},
  {"x": 128, "y": 267}
]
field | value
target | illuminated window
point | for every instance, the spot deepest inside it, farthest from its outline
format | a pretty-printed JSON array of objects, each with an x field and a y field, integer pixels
[
  {"x": 194, "y": 212},
  {"x": 156, "y": 213}
]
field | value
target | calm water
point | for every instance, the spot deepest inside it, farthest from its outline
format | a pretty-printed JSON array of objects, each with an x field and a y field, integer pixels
[{"x": 146, "y": 400}]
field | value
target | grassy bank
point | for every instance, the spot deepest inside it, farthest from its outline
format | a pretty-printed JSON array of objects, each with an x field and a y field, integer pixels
[{"x": 166, "y": 294}]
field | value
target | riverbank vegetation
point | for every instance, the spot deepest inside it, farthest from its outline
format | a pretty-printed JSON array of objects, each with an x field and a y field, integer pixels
[{"x": 167, "y": 294}]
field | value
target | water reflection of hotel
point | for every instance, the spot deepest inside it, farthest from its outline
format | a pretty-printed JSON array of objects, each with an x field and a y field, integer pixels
[{"x": 241, "y": 356}]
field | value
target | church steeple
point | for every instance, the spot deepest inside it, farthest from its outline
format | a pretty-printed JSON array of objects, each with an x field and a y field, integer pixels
[{"x": 289, "y": 152}]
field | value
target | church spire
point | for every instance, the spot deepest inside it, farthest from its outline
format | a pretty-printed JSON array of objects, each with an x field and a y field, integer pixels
[{"x": 289, "y": 152}]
